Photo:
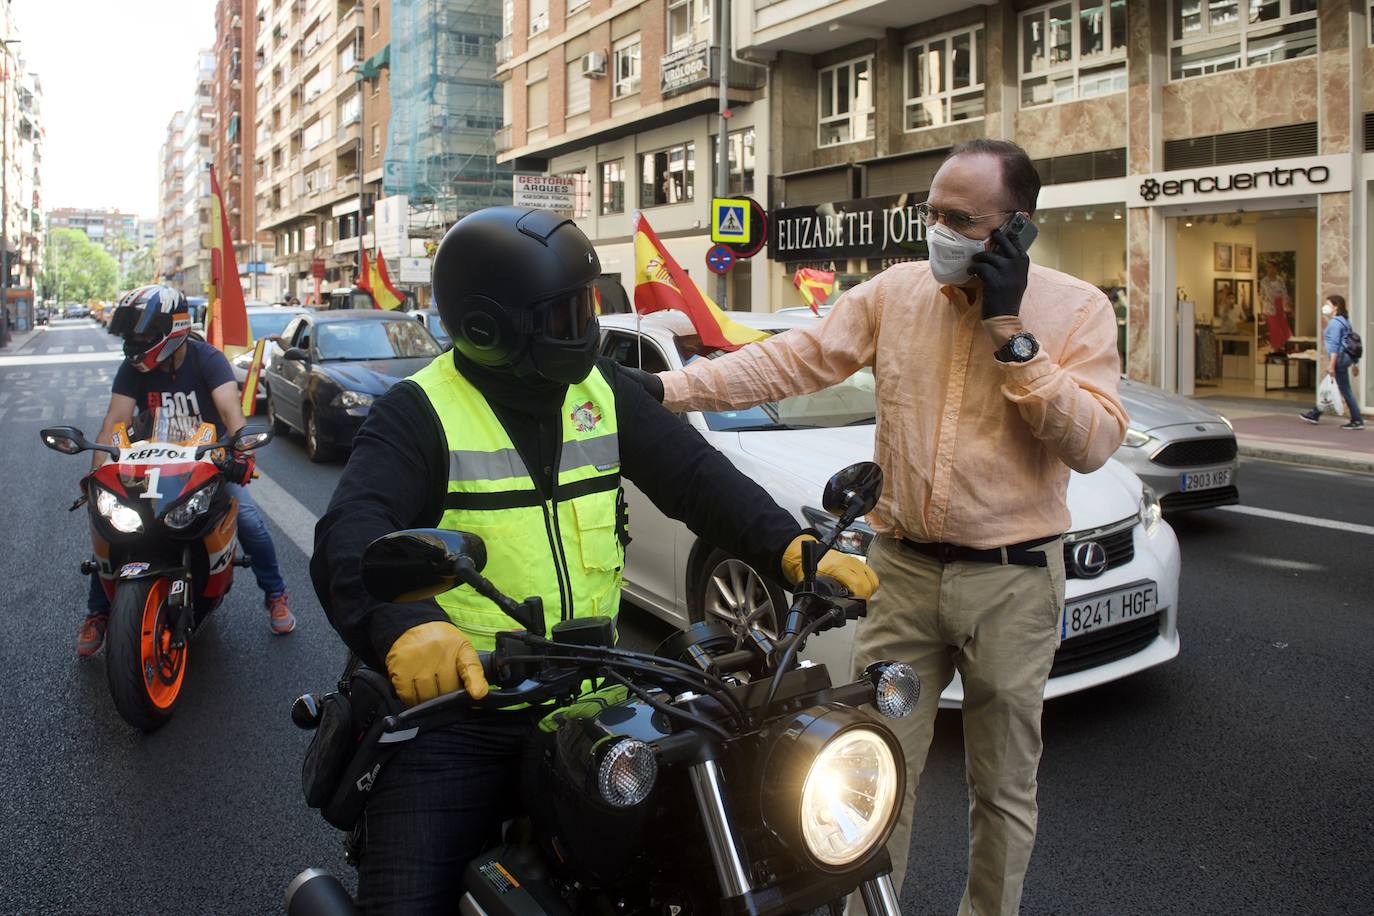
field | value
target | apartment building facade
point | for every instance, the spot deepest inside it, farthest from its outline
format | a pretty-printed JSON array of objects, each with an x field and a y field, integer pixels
[
  {"x": 232, "y": 141},
  {"x": 168, "y": 256},
  {"x": 21, "y": 126},
  {"x": 310, "y": 152},
  {"x": 623, "y": 97}
]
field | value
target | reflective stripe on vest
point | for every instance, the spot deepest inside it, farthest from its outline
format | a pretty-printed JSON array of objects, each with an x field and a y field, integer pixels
[{"x": 566, "y": 549}]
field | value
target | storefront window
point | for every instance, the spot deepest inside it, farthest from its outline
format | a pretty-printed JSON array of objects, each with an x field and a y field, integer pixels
[
  {"x": 613, "y": 187},
  {"x": 667, "y": 176},
  {"x": 944, "y": 79},
  {"x": 1213, "y": 36},
  {"x": 845, "y": 95},
  {"x": 741, "y": 160},
  {"x": 1088, "y": 243},
  {"x": 1073, "y": 51}
]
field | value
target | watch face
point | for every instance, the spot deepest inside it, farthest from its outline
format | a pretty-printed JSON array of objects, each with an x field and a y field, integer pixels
[{"x": 1021, "y": 348}]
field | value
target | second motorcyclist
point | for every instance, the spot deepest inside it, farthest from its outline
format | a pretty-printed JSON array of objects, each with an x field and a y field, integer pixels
[{"x": 522, "y": 436}]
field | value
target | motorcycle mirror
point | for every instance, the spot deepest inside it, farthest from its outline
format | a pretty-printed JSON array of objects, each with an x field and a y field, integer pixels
[
  {"x": 252, "y": 435},
  {"x": 419, "y": 563},
  {"x": 305, "y": 712},
  {"x": 853, "y": 491},
  {"x": 69, "y": 441}
]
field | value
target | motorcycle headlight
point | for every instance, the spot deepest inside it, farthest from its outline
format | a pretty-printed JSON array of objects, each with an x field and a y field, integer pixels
[
  {"x": 1151, "y": 513},
  {"x": 627, "y": 773},
  {"x": 351, "y": 399},
  {"x": 186, "y": 512},
  {"x": 118, "y": 513},
  {"x": 833, "y": 786},
  {"x": 1136, "y": 439},
  {"x": 855, "y": 539}
]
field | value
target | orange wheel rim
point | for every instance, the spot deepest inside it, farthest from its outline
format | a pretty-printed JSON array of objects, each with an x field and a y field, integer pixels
[{"x": 163, "y": 666}]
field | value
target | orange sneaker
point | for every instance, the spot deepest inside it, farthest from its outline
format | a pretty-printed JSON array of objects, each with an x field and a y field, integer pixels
[
  {"x": 91, "y": 636},
  {"x": 283, "y": 621}
]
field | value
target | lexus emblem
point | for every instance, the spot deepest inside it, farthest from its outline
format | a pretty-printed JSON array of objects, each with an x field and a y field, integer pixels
[{"x": 1089, "y": 560}]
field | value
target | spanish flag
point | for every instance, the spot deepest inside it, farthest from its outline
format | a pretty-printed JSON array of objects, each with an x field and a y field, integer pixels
[
  {"x": 661, "y": 284},
  {"x": 226, "y": 327},
  {"x": 364, "y": 278},
  {"x": 814, "y": 285},
  {"x": 383, "y": 292}
]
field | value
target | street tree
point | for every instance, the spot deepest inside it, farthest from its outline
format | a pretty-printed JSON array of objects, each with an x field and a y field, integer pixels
[
  {"x": 141, "y": 269},
  {"x": 77, "y": 269}
]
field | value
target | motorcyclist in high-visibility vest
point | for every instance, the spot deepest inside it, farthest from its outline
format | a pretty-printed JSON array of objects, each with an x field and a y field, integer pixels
[{"x": 521, "y": 435}]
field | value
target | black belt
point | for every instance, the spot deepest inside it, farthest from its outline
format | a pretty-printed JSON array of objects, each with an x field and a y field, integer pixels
[{"x": 1020, "y": 554}]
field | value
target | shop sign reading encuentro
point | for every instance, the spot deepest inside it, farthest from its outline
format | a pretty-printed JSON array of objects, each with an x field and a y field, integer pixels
[
  {"x": 871, "y": 227},
  {"x": 1315, "y": 174}
]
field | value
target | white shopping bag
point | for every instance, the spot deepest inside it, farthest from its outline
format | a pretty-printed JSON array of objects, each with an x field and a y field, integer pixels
[{"x": 1329, "y": 398}]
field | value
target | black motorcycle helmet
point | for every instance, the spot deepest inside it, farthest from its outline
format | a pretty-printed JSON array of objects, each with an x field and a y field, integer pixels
[{"x": 514, "y": 287}]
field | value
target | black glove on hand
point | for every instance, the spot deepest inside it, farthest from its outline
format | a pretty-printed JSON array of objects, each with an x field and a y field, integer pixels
[
  {"x": 238, "y": 468},
  {"x": 1003, "y": 270},
  {"x": 647, "y": 380}
]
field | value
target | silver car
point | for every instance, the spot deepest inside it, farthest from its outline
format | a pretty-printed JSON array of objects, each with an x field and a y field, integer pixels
[{"x": 1184, "y": 450}]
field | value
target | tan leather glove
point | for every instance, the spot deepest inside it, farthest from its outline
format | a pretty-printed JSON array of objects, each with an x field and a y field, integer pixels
[
  {"x": 433, "y": 659},
  {"x": 850, "y": 571}
]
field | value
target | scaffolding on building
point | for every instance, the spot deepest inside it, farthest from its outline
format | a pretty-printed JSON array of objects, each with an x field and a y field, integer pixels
[{"x": 445, "y": 110}]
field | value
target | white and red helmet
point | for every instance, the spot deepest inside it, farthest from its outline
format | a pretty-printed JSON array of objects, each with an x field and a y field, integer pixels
[{"x": 154, "y": 322}]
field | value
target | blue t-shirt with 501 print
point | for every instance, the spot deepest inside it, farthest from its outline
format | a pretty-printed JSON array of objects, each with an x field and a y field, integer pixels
[{"x": 184, "y": 395}]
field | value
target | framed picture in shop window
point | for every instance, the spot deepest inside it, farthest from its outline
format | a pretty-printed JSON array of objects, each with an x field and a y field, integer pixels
[
  {"x": 1244, "y": 260},
  {"x": 1224, "y": 300},
  {"x": 1221, "y": 256},
  {"x": 1245, "y": 294}
]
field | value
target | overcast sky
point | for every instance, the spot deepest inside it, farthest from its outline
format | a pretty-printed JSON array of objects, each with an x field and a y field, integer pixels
[{"x": 113, "y": 75}]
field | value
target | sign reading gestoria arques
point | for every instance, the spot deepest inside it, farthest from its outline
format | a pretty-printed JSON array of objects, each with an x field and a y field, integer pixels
[
  {"x": 545, "y": 192},
  {"x": 871, "y": 227}
]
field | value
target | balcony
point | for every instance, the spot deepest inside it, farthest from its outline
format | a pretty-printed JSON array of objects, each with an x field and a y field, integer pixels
[
  {"x": 503, "y": 139},
  {"x": 504, "y": 50},
  {"x": 348, "y": 133},
  {"x": 811, "y": 28}
]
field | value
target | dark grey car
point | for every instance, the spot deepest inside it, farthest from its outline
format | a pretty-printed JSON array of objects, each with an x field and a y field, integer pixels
[{"x": 1183, "y": 449}]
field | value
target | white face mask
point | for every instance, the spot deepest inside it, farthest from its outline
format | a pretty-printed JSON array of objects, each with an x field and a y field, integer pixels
[
  {"x": 1328, "y": 309},
  {"x": 950, "y": 254}
]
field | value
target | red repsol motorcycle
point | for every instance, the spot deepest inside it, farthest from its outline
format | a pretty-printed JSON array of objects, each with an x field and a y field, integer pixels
[{"x": 164, "y": 530}]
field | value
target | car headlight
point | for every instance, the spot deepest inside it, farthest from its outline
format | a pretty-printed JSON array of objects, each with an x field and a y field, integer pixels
[
  {"x": 1151, "y": 513},
  {"x": 1136, "y": 439},
  {"x": 1229, "y": 425},
  {"x": 855, "y": 539},
  {"x": 833, "y": 786},
  {"x": 186, "y": 512},
  {"x": 351, "y": 399},
  {"x": 118, "y": 513}
]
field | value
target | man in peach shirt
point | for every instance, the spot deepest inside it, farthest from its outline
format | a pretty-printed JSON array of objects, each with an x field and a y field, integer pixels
[{"x": 993, "y": 378}]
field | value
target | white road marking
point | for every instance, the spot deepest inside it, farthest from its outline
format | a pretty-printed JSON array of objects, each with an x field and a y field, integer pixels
[
  {"x": 56, "y": 351},
  {"x": 295, "y": 520},
  {"x": 1312, "y": 521},
  {"x": 49, "y": 359},
  {"x": 85, "y": 348}
]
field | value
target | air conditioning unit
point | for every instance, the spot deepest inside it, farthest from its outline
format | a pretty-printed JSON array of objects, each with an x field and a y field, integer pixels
[{"x": 594, "y": 65}]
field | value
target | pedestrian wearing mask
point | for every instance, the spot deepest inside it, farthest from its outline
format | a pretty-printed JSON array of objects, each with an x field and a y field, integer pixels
[
  {"x": 994, "y": 379},
  {"x": 521, "y": 435},
  {"x": 1340, "y": 361}
]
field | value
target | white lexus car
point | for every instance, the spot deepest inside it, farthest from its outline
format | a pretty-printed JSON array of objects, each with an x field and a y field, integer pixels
[{"x": 1122, "y": 559}]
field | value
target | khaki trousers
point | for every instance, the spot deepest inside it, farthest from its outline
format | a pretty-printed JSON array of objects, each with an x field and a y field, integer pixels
[{"x": 998, "y": 626}]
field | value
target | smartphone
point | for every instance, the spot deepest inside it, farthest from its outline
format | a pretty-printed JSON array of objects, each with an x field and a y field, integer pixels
[{"x": 1023, "y": 228}]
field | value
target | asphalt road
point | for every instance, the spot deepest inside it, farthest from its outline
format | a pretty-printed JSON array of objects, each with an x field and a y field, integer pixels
[{"x": 1235, "y": 779}]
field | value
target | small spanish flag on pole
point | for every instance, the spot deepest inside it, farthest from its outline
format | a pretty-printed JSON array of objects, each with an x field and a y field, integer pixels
[
  {"x": 661, "y": 284},
  {"x": 383, "y": 292},
  {"x": 250, "y": 384},
  {"x": 814, "y": 285}
]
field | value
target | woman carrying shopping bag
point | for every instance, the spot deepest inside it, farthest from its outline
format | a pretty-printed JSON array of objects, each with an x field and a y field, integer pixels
[{"x": 1337, "y": 338}]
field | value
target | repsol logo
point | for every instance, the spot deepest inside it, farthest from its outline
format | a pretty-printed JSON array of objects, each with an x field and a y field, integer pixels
[
  {"x": 1152, "y": 189},
  {"x": 152, "y": 453}
]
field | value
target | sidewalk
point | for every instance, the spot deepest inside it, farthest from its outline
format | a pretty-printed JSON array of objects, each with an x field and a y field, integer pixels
[
  {"x": 21, "y": 339},
  {"x": 1274, "y": 431}
]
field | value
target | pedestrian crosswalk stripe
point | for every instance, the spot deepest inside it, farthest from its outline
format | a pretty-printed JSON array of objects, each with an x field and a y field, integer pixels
[
  {"x": 85, "y": 348},
  {"x": 56, "y": 351}
]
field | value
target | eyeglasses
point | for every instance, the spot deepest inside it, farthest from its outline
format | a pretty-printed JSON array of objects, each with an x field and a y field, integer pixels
[{"x": 953, "y": 218}]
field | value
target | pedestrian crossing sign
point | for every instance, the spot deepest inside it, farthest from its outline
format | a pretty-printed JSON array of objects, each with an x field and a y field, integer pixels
[{"x": 730, "y": 220}]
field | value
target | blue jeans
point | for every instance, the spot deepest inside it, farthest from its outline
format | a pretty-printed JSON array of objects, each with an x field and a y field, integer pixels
[
  {"x": 1343, "y": 364},
  {"x": 255, "y": 540},
  {"x": 436, "y": 804}
]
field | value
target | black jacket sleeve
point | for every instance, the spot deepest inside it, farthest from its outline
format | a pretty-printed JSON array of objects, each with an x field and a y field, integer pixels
[
  {"x": 688, "y": 480},
  {"x": 395, "y": 478}
]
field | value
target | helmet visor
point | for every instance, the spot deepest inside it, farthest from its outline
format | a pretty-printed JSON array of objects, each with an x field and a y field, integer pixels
[{"x": 568, "y": 317}]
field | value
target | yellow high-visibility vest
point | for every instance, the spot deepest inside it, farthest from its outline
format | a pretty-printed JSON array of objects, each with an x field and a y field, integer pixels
[{"x": 567, "y": 549}]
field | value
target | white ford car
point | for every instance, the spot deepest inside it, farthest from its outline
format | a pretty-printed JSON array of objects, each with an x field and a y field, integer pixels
[{"x": 1122, "y": 559}]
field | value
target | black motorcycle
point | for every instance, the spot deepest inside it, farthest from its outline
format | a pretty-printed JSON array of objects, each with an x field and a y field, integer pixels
[{"x": 717, "y": 775}]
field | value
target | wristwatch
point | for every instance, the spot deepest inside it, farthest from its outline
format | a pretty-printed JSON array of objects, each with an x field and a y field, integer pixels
[{"x": 1021, "y": 348}]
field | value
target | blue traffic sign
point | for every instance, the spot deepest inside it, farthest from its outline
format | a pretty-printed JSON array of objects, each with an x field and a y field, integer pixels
[{"x": 720, "y": 259}]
